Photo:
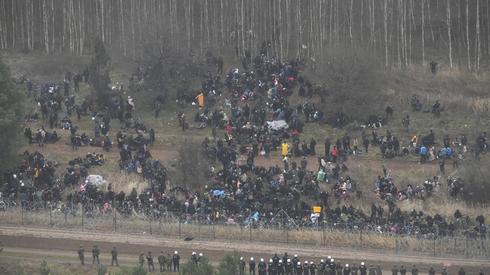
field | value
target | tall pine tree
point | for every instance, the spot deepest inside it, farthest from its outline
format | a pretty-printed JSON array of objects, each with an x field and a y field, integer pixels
[{"x": 11, "y": 113}]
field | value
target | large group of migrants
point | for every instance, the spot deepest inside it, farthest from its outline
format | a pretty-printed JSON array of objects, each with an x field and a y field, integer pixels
[
  {"x": 257, "y": 118},
  {"x": 276, "y": 265}
]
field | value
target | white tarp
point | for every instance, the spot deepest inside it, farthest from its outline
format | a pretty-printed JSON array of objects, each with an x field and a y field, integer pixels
[
  {"x": 96, "y": 180},
  {"x": 277, "y": 125}
]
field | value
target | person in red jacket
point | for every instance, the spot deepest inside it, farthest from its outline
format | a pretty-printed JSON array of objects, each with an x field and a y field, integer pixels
[{"x": 334, "y": 153}]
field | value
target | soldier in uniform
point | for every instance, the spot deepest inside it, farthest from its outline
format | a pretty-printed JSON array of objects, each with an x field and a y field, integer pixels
[
  {"x": 168, "y": 260},
  {"x": 299, "y": 268},
  {"x": 347, "y": 270},
  {"x": 95, "y": 255},
  {"x": 161, "y": 261},
  {"x": 176, "y": 261},
  {"x": 312, "y": 268},
  {"x": 251, "y": 266},
  {"x": 81, "y": 255},
  {"x": 280, "y": 267},
  {"x": 262, "y": 267},
  {"x": 114, "y": 257},
  {"x": 289, "y": 267},
  {"x": 194, "y": 257},
  {"x": 321, "y": 267},
  {"x": 149, "y": 259},
  {"x": 295, "y": 263},
  {"x": 394, "y": 270},
  {"x": 271, "y": 267},
  {"x": 354, "y": 269},
  {"x": 415, "y": 271},
  {"x": 372, "y": 270},
  {"x": 461, "y": 271},
  {"x": 363, "y": 269},
  {"x": 339, "y": 268},
  {"x": 403, "y": 270},
  {"x": 306, "y": 268},
  {"x": 141, "y": 259},
  {"x": 242, "y": 266},
  {"x": 432, "y": 271}
]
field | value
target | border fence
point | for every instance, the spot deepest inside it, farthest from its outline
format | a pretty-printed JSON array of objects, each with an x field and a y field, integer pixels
[{"x": 321, "y": 236}]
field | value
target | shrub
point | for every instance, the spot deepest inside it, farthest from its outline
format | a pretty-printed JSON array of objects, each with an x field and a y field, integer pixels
[
  {"x": 229, "y": 265},
  {"x": 44, "y": 268},
  {"x": 354, "y": 81}
]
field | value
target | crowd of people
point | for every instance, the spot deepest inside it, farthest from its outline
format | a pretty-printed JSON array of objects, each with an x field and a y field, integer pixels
[
  {"x": 276, "y": 265},
  {"x": 258, "y": 119}
]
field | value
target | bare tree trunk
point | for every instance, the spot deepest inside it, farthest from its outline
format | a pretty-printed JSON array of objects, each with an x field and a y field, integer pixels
[
  {"x": 423, "y": 32},
  {"x": 477, "y": 38},
  {"x": 351, "y": 19},
  {"x": 46, "y": 27},
  {"x": 386, "y": 31},
  {"x": 468, "y": 36},
  {"x": 14, "y": 31},
  {"x": 448, "y": 22},
  {"x": 362, "y": 21}
]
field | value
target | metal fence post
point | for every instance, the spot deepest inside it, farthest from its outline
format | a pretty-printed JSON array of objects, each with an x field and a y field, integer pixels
[
  {"x": 82, "y": 215},
  {"x": 396, "y": 244},
  {"x": 360, "y": 238},
  {"x": 214, "y": 232},
  {"x": 323, "y": 236},
  {"x": 466, "y": 248},
  {"x": 22, "y": 213},
  {"x": 50, "y": 217},
  {"x": 435, "y": 238},
  {"x": 250, "y": 236},
  {"x": 151, "y": 232},
  {"x": 287, "y": 235},
  {"x": 198, "y": 229},
  {"x": 180, "y": 230},
  {"x": 115, "y": 220}
]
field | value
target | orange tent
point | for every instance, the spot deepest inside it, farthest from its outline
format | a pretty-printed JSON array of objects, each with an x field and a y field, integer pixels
[{"x": 200, "y": 100}]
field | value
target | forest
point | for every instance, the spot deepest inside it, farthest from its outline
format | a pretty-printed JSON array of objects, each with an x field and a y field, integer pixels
[{"x": 454, "y": 33}]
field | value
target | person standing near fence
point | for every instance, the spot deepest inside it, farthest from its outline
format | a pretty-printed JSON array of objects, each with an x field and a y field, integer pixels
[
  {"x": 161, "y": 261},
  {"x": 114, "y": 256},
  {"x": 149, "y": 259},
  {"x": 168, "y": 261},
  {"x": 242, "y": 266},
  {"x": 95, "y": 255},
  {"x": 176, "y": 261},
  {"x": 141, "y": 259},
  {"x": 403, "y": 270},
  {"x": 394, "y": 270},
  {"x": 251, "y": 266},
  {"x": 363, "y": 269},
  {"x": 415, "y": 271},
  {"x": 81, "y": 255}
]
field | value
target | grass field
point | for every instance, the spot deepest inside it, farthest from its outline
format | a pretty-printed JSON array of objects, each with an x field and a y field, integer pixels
[{"x": 465, "y": 96}]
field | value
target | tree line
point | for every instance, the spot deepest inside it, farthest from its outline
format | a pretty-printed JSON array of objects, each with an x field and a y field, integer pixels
[{"x": 401, "y": 32}]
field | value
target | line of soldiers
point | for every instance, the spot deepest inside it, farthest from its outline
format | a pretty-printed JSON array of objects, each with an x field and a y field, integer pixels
[
  {"x": 166, "y": 263},
  {"x": 294, "y": 266},
  {"x": 275, "y": 266}
]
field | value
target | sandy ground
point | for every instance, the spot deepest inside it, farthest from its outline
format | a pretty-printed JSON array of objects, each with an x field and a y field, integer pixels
[{"x": 61, "y": 246}]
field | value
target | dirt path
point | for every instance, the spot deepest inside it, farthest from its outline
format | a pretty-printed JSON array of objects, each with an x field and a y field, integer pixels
[{"x": 25, "y": 241}]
